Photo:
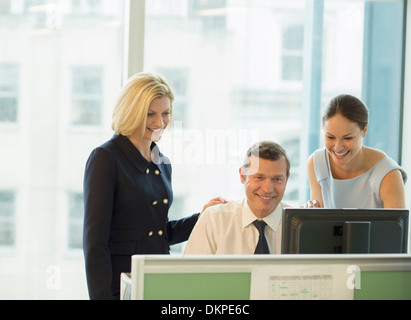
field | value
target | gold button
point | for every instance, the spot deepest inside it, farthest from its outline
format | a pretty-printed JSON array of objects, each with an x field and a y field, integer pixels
[
  {"x": 160, "y": 232},
  {"x": 157, "y": 172},
  {"x": 165, "y": 201},
  {"x": 147, "y": 170},
  {"x": 150, "y": 233},
  {"x": 154, "y": 202}
]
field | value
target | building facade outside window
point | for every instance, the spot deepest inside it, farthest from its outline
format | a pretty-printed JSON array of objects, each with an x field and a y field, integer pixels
[
  {"x": 87, "y": 95},
  {"x": 9, "y": 92},
  {"x": 7, "y": 218},
  {"x": 242, "y": 71}
]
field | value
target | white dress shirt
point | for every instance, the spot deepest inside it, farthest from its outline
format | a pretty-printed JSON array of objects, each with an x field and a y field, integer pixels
[{"x": 228, "y": 229}]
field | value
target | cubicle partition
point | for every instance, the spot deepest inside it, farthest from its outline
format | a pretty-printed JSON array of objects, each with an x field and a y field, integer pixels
[{"x": 243, "y": 277}]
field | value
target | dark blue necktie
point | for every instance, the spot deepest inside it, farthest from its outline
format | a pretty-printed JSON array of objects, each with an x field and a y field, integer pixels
[{"x": 262, "y": 245}]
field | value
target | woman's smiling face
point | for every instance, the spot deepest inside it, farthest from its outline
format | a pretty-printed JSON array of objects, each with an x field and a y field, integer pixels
[
  {"x": 343, "y": 139},
  {"x": 158, "y": 118}
]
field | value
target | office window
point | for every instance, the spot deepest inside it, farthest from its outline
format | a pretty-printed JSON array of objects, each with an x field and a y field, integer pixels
[
  {"x": 212, "y": 14},
  {"x": 60, "y": 73},
  {"x": 5, "y": 6},
  {"x": 91, "y": 7},
  {"x": 259, "y": 76},
  {"x": 239, "y": 73},
  {"x": 235, "y": 94},
  {"x": 9, "y": 92},
  {"x": 75, "y": 220},
  {"x": 87, "y": 89},
  {"x": 179, "y": 81},
  {"x": 177, "y": 210},
  {"x": 7, "y": 218},
  {"x": 292, "y": 56}
]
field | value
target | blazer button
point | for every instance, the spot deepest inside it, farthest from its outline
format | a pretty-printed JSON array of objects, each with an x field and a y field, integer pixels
[
  {"x": 147, "y": 171},
  {"x": 165, "y": 200},
  {"x": 154, "y": 202},
  {"x": 157, "y": 172},
  {"x": 150, "y": 233},
  {"x": 160, "y": 232}
]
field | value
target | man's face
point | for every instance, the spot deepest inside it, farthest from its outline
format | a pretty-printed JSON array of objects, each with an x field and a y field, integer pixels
[{"x": 264, "y": 182}]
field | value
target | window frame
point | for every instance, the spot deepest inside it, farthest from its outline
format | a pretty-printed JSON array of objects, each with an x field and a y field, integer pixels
[
  {"x": 406, "y": 112},
  {"x": 312, "y": 79}
]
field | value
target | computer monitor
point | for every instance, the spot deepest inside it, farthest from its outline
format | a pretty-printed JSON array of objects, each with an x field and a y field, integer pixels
[{"x": 328, "y": 231}]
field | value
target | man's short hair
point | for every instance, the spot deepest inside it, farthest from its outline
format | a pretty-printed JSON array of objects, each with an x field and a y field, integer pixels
[{"x": 268, "y": 150}]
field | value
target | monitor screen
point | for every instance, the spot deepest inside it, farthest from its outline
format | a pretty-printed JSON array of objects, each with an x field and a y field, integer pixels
[{"x": 328, "y": 231}]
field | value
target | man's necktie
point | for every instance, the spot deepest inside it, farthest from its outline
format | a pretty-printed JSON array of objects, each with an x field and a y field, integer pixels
[{"x": 262, "y": 246}]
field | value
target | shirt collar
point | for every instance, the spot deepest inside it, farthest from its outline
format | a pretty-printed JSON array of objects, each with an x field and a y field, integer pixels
[
  {"x": 273, "y": 219},
  {"x": 132, "y": 153}
]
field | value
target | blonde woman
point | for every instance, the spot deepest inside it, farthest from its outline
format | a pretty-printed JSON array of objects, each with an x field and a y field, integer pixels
[{"x": 127, "y": 188}]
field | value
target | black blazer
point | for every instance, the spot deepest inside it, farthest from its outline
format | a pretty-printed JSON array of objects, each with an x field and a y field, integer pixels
[{"x": 126, "y": 203}]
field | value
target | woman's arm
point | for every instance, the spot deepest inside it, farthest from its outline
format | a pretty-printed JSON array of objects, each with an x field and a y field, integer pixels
[
  {"x": 392, "y": 191},
  {"x": 316, "y": 198},
  {"x": 98, "y": 188}
]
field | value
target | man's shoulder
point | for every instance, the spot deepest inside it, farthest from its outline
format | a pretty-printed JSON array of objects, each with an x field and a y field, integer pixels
[{"x": 224, "y": 210}]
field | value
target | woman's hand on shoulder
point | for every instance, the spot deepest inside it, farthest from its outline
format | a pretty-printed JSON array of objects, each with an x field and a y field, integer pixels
[{"x": 213, "y": 202}]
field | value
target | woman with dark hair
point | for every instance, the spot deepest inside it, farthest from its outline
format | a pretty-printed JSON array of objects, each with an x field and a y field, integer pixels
[{"x": 346, "y": 173}]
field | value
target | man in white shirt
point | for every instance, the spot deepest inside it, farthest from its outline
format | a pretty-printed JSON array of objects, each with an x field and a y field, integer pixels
[{"x": 229, "y": 228}]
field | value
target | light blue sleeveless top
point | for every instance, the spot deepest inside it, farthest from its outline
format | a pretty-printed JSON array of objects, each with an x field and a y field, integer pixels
[{"x": 360, "y": 192}]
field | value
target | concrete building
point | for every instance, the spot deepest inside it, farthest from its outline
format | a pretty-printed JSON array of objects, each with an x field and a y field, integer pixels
[{"x": 238, "y": 71}]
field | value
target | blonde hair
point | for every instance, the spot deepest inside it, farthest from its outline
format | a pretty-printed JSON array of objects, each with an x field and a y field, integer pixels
[{"x": 131, "y": 109}]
